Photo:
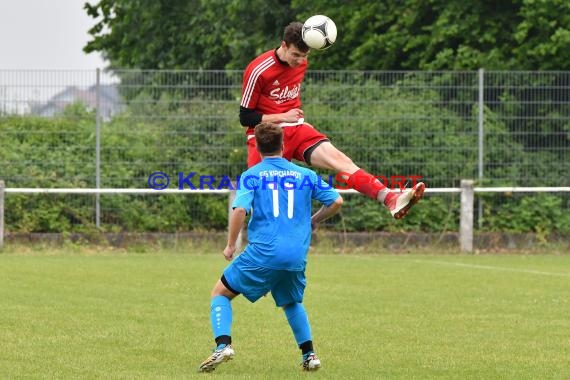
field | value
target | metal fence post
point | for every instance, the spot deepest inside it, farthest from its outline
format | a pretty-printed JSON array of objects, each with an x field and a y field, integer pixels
[
  {"x": 98, "y": 148},
  {"x": 1, "y": 213},
  {"x": 466, "y": 217},
  {"x": 481, "y": 125}
]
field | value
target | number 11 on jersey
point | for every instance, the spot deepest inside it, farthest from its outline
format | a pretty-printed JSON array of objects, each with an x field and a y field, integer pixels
[{"x": 290, "y": 198}]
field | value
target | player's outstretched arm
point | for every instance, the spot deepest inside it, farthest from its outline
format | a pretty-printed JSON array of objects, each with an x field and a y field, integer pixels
[
  {"x": 250, "y": 117},
  {"x": 236, "y": 222},
  {"x": 326, "y": 212},
  {"x": 291, "y": 116}
]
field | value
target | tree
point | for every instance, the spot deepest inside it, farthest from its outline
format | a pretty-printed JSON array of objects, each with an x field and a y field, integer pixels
[
  {"x": 446, "y": 34},
  {"x": 373, "y": 35},
  {"x": 185, "y": 34}
]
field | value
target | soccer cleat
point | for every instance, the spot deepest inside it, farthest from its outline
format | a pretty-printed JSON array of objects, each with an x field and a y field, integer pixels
[
  {"x": 220, "y": 355},
  {"x": 311, "y": 362},
  {"x": 400, "y": 203}
]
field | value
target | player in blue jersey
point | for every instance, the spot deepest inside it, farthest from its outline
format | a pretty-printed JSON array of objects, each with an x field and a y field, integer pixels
[{"x": 279, "y": 195}]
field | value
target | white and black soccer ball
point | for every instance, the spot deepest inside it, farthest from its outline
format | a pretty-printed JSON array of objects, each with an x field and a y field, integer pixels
[{"x": 319, "y": 32}]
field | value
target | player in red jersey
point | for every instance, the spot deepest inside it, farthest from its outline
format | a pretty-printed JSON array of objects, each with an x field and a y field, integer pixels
[{"x": 271, "y": 92}]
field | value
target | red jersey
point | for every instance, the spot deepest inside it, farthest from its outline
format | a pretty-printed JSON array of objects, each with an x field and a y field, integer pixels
[{"x": 271, "y": 86}]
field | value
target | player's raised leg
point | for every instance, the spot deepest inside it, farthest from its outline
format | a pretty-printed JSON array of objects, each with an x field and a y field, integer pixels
[
  {"x": 327, "y": 156},
  {"x": 400, "y": 203}
]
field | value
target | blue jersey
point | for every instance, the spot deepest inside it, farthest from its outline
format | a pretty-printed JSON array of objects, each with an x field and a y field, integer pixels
[{"x": 279, "y": 195}]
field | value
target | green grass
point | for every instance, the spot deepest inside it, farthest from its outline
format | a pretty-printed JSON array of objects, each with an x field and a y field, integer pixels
[{"x": 104, "y": 315}]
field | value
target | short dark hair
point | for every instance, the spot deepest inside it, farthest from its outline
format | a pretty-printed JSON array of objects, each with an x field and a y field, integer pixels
[
  {"x": 269, "y": 138},
  {"x": 293, "y": 35}
]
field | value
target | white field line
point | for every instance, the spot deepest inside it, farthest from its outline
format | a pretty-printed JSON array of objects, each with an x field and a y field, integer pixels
[{"x": 476, "y": 266}]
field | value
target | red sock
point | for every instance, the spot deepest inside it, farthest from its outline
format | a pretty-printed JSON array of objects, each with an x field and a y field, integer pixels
[{"x": 365, "y": 183}]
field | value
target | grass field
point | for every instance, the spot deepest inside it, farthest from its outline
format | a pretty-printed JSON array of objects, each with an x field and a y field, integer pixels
[{"x": 411, "y": 316}]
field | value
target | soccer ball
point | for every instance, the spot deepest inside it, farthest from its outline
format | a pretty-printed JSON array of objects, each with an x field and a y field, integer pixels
[{"x": 319, "y": 32}]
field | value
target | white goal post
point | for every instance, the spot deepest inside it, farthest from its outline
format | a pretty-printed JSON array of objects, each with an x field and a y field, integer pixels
[{"x": 467, "y": 191}]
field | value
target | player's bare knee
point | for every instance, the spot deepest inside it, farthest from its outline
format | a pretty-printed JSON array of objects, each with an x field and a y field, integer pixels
[
  {"x": 220, "y": 289},
  {"x": 215, "y": 291},
  {"x": 341, "y": 159},
  {"x": 328, "y": 155}
]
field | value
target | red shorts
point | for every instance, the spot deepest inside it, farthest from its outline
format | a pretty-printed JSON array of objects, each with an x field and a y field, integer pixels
[{"x": 296, "y": 141}]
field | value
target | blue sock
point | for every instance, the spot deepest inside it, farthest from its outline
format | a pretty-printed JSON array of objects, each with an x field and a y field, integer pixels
[
  {"x": 221, "y": 316},
  {"x": 299, "y": 322}
]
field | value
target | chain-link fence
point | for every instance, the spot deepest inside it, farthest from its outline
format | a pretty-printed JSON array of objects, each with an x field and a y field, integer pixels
[{"x": 112, "y": 130}]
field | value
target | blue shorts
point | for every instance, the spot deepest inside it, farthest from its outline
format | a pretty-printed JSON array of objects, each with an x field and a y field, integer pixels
[{"x": 254, "y": 282}]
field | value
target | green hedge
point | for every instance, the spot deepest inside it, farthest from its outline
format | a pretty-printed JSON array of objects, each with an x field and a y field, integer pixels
[{"x": 204, "y": 136}]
